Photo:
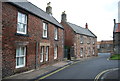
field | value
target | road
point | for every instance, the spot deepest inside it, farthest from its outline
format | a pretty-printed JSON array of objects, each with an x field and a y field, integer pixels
[{"x": 88, "y": 69}]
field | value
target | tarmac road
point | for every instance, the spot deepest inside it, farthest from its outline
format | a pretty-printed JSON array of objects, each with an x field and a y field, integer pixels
[{"x": 88, "y": 69}]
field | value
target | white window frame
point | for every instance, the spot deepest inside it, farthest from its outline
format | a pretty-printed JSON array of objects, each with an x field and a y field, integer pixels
[
  {"x": 42, "y": 54},
  {"x": 45, "y": 29},
  {"x": 47, "y": 53},
  {"x": 81, "y": 39},
  {"x": 93, "y": 51},
  {"x": 19, "y": 23},
  {"x": 56, "y": 33},
  {"x": 55, "y": 52},
  {"x": 81, "y": 52},
  {"x": 20, "y": 56}
]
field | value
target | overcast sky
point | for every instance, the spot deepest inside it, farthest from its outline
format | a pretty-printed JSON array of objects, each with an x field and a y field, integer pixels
[{"x": 99, "y": 14}]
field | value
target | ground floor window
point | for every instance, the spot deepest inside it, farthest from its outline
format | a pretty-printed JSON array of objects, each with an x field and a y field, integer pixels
[
  {"x": 93, "y": 51},
  {"x": 47, "y": 53},
  {"x": 20, "y": 57},
  {"x": 41, "y": 54},
  {"x": 55, "y": 52},
  {"x": 81, "y": 52}
]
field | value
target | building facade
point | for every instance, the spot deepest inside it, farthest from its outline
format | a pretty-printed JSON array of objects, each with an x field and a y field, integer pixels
[
  {"x": 31, "y": 38},
  {"x": 82, "y": 40},
  {"x": 105, "y": 46},
  {"x": 116, "y": 38}
]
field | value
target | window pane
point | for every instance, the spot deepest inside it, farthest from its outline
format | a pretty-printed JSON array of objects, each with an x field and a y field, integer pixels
[
  {"x": 47, "y": 49},
  {"x": 21, "y": 61},
  {"x": 22, "y": 51},
  {"x": 23, "y": 18},
  {"x": 17, "y": 61},
  {"x": 41, "y": 54},
  {"x": 17, "y": 52},
  {"x": 19, "y": 17}
]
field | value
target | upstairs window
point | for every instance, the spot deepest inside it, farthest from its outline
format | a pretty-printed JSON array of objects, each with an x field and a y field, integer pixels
[
  {"x": 56, "y": 34},
  {"x": 81, "y": 39},
  {"x": 45, "y": 30},
  {"x": 22, "y": 23}
]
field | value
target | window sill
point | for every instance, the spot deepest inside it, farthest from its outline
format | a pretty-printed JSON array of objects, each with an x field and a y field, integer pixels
[
  {"x": 19, "y": 34},
  {"x": 17, "y": 67},
  {"x": 56, "y": 39},
  {"x": 45, "y": 38}
]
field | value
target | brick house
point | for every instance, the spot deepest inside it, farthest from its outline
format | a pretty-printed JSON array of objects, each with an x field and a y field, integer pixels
[
  {"x": 116, "y": 37},
  {"x": 31, "y": 38},
  {"x": 105, "y": 46},
  {"x": 82, "y": 40}
]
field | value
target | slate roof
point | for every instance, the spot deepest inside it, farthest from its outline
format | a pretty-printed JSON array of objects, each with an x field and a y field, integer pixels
[
  {"x": 80, "y": 30},
  {"x": 117, "y": 27},
  {"x": 37, "y": 11}
]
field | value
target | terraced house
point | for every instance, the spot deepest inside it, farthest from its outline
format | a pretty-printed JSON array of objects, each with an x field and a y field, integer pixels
[
  {"x": 80, "y": 41},
  {"x": 31, "y": 38}
]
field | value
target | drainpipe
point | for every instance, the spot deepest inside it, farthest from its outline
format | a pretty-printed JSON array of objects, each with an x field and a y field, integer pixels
[{"x": 36, "y": 56}]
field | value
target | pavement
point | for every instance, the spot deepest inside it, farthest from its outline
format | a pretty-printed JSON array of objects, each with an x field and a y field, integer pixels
[{"x": 35, "y": 73}]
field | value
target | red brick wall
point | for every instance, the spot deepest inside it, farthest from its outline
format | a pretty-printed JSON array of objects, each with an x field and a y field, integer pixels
[
  {"x": 69, "y": 35},
  {"x": 34, "y": 31},
  {"x": 72, "y": 39}
]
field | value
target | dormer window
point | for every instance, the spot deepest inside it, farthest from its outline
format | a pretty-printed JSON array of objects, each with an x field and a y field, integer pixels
[
  {"x": 45, "y": 30},
  {"x": 22, "y": 23}
]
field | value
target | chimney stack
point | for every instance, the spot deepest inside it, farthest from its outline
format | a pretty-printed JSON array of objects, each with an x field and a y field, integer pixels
[
  {"x": 86, "y": 26},
  {"x": 63, "y": 17},
  {"x": 114, "y": 21},
  {"x": 49, "y": 9}
]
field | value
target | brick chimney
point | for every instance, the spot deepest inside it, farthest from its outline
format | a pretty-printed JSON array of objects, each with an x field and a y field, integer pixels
[
  {"x": 63, "y": 17},
  {"x": 114, "y": 21},
  {"x": 49, "y": 9},
  {"x": 86, "y": 26}
]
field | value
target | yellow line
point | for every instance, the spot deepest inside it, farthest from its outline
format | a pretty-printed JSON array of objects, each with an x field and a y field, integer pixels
[
  {"x": 51, "y": 73},
  {"x": 98, "y": 76}
]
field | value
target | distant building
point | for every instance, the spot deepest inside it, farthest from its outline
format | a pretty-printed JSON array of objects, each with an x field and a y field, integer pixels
[
  {"x": 78, "y": 40},
  {"x": 105, "y": 46},
  {"x": 116, "y": 37}
]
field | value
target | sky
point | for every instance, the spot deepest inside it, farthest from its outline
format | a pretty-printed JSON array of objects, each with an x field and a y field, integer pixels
[{"x": 99, "y": 14}]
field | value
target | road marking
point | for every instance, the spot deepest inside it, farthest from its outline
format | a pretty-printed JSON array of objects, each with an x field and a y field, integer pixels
[
  {"x": 108, "y": 58},
  {"x": 101, "y": 73},
  {"x": 51, "y": 73}
]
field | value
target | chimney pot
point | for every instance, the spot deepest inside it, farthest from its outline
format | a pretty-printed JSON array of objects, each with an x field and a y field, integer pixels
[
  {"x": 114, "y": 21},
  {"x": 63, "y": 16},
  {"x": 86, "y": 26},
  {"x": 49, "y": 9}
]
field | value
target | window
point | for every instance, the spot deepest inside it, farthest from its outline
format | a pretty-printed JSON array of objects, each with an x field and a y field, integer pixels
[
  {"x": 81, "y": 39},
  {"x": 56, "y": 34},
  {"x": 81, "y": 52},
  {"x": 22, "y": 23},
  {"x": 47, "y": 53},
  {"x": 45, "y": 30},
  {"x": 55, "y": 52},
  {"x": 20, "y": 57},
  {"x": 41, "y": 54},
  {"x": 93, "y": 51}
]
